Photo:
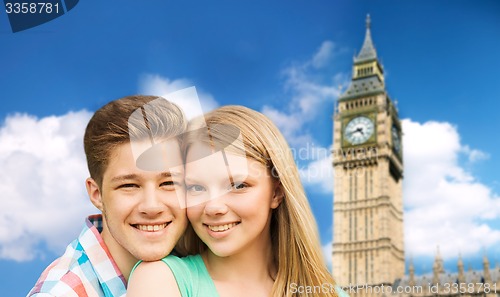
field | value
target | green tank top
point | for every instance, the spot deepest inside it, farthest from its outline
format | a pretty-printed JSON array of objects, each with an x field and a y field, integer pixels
[{"x": 191, "y": 276}]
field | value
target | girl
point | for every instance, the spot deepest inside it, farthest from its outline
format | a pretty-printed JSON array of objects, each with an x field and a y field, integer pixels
[{"x": 254, "y": 232}]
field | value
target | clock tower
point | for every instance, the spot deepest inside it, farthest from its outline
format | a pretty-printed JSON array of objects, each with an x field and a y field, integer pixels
[{"x": 368, "y": 244}]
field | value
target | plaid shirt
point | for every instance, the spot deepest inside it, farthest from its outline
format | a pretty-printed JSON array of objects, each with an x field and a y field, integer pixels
[{"x": 85, "y": 270}]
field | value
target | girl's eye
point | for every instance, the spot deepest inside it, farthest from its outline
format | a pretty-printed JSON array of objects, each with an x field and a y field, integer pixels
[
  {"x": 195, "y": 188},
  {"x": 239, "y": 186}
]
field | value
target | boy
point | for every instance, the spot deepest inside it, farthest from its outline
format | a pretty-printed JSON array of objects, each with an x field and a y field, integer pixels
[{"x": 141, "y": 216}]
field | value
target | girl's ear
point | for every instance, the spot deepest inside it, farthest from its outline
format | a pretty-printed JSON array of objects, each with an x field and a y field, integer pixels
[
  {"x": 278, "y": 196},
  {"x": 94, "y": 193}
]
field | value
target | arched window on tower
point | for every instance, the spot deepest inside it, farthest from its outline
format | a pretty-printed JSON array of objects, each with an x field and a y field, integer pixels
[
  {"x": 366, "y": 267},
  {"x": 371, "y": 264},
  {"x": 366, "y": 184},
  {"x": 366, "y": 227},
  {"x": 355, "y": 186},
  {"x": 350, "y": 268},
  {"x": 350, "y": 185},
  {"x": 356, "y": 228},
  {"x": 350, "y": 226}
]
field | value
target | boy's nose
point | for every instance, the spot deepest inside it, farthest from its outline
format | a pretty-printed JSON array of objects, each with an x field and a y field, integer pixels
[{"x": 151, "y": 203}]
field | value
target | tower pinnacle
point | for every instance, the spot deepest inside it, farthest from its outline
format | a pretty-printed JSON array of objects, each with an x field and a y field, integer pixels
[
  {"x": 461, "y": 273},
  {"x": 368, "y": 51},
  {"x": 367, "y": 73}
]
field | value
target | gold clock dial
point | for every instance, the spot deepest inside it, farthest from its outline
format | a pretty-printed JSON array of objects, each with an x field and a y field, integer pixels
[{"x": 359, "y": 130}]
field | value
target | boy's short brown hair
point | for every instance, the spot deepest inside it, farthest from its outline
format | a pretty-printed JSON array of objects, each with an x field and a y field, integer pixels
[{"x": 112, "y": 125}]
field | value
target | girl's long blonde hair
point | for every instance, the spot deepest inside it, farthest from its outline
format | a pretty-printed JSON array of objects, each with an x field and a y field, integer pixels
[{"x": 294, "y": 236}]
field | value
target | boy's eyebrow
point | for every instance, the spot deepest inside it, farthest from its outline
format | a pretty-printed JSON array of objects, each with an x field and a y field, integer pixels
[
  {"x": 124, "y": 177},
  {"x": 136, "y": 176}
]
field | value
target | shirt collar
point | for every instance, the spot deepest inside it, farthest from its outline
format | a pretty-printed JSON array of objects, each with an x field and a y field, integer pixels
[{"x": 93, "y": 244}]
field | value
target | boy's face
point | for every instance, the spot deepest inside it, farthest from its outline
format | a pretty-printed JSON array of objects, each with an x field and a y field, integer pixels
[{"x": 142, "y": 218}]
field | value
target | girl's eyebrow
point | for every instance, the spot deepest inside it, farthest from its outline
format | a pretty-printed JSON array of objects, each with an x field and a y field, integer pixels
[
  {"x": 237, "y": 176},
  {"x": 190, "y": 179}
]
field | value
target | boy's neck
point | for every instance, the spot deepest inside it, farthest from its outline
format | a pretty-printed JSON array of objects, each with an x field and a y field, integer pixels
[{"x": 123, "y": 259}]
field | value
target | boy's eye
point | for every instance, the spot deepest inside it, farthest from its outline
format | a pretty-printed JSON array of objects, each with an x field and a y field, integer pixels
[
  {"x": 124, "y": 186},
  {"x": 168, "y": 183}
]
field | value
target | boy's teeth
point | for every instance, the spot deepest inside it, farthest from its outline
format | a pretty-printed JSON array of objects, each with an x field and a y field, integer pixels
[
  {"x": 151, "y": 228},
  {"x": 220, "y": 228}
]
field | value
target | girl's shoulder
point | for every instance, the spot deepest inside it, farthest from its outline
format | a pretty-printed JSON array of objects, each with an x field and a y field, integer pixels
[
  {"x": 192, "y": 264},
  {"x": 191, "y": 275}
]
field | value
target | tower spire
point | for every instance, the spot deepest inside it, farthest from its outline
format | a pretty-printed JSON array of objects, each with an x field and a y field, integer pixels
[
  {"x": 368, "y": 51},
  {"x": 411, "y": 270},
  {"x": 438, "y": 262},
  {"x": 486, "y": 268},
  {"x": 367, "y": 73},
  {"x": 461, "y": 273}
]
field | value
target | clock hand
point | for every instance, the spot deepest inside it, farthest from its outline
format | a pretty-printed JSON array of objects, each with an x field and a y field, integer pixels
[{"x": 357, "y": 130}]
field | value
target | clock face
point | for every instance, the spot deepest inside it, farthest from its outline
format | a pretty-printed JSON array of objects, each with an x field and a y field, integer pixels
[
  {"x": 359, "y": 130},
  {"x": 395, "y": 139}
]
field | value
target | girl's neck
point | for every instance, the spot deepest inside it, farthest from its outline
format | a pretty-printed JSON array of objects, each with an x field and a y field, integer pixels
[{"x": 255, "y": 263}]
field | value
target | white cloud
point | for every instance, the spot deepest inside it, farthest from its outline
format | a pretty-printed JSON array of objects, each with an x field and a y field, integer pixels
[
  {"x": 324, "y": 54},
  {"x": 42, "y": 181},
  {"x": 290, "y": 124},
  {"x": 309, "y": 95},
  {"x": 307, "y": 92},
  {"x": 165, "y": 87},
  {"x": 475, "y": 155},
  {"x": 445, "y": 204}
]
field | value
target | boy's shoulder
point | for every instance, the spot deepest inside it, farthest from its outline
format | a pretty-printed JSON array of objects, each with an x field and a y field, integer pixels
[
  {"x": 65, "y": 276},
  {"x": 85, "y": 269}
]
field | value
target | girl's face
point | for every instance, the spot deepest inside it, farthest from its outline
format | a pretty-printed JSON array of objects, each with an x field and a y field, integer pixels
[{"x": 230, "y": 199}]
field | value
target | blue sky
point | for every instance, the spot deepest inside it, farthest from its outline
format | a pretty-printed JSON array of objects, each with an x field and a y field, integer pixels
[{"x": 285, "y": 58}]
